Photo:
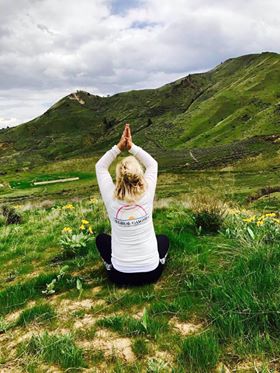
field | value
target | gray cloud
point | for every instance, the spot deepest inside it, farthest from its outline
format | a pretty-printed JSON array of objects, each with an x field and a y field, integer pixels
[{"x": 49, "y": 48}]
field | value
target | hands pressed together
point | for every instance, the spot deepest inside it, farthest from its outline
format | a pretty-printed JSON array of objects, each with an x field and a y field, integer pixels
[{"x": 126, "y": 139}]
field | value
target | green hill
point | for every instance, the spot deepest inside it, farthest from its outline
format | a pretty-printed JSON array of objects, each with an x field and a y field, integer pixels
[{"x": 203, "y": 120}]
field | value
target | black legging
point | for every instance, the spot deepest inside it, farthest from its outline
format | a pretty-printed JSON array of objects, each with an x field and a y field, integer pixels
[{"x": 103, "y": 244}]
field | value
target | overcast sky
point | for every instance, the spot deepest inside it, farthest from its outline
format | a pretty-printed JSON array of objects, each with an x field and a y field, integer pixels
[{"x": 50, "y": 48}]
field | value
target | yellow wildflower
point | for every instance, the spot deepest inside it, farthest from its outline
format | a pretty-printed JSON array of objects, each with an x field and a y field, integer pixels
[
  {"x": 276, "y": 220},
  {"x": 260, "y": 222},
  {"x": 68, "y": 206},
  {"x": 90, "y": 230},
  {"x": 66, "y": 229},
  {"x": 272, "y": 214},
  {"x": 85, "y": 221},
  {"x": 249, "y": 220},
  {"x": 82, "y": 226}
]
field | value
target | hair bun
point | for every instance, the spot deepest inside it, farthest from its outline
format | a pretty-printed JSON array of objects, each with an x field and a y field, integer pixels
[{"x": 131, "y": 178}]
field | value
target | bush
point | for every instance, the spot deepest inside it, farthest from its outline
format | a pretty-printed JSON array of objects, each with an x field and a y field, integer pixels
[
  {"x": 10, "y": 214},
  {"x": 208, "y": 213}
]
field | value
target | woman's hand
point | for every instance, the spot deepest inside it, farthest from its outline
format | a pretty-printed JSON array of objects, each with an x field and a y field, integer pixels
[{"x": 126, "y": 139}]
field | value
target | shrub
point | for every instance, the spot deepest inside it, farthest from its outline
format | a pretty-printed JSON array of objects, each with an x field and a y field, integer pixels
[
  {"x": 208, "y": 213},
  {"x": 76, "y": 244},
  {"x": 10, "y": 214}
]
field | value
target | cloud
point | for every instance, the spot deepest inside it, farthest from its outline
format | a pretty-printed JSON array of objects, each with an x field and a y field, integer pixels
[{"x": 50, "y": 48}]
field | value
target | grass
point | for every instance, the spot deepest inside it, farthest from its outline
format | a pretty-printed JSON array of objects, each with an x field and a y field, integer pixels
[
  {"x": 15, "y": 296},
  {"x": 226, "y": 281},
  {"x": 55, "y": 349},
  {"x": 28, "y": 182},
  {"x": 203, "y": 348},
  {"x": 128, "y": 326},
  {"x": 39, "y": 313}
]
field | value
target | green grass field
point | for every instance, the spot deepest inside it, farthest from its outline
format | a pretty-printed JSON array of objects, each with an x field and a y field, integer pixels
[{"x": 216, "y": 306}]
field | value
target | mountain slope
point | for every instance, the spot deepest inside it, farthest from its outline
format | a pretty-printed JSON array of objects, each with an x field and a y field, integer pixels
[{"x": 235, "y": 101}]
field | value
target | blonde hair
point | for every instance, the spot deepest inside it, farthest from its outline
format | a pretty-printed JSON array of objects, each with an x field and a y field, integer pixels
[{"x": 130, "y": 181}]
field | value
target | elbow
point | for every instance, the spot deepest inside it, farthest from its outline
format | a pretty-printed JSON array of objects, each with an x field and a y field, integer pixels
[
  {"x": 97, "y": 166},
  {"x": 155, "y": 164}
]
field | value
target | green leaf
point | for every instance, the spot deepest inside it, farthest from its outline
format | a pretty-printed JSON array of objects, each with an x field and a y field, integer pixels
[
  {"x": 144, "y": 321},
  {"x": 79, "y": 284},
  {"x": 251, "y": 233}
]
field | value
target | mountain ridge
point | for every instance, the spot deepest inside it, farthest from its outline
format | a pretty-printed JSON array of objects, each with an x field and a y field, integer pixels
[{"x": 235, "y": 100}]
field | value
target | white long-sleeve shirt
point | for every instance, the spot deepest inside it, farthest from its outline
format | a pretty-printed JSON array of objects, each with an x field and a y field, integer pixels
[{"x": 134, "y": 243}]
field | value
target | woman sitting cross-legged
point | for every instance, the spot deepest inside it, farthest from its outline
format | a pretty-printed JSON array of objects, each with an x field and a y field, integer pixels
[{"x": 134, "y": 254}]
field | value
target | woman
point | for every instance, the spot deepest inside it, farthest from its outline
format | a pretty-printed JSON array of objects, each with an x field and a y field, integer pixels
[{"x": 134, "y": 255}]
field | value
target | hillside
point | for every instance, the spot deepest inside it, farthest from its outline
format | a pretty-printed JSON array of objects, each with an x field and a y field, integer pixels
[{"x": 224, "y": 115}]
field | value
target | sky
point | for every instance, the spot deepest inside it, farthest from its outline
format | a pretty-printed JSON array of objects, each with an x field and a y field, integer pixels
[{"x": 50, "y": 48}]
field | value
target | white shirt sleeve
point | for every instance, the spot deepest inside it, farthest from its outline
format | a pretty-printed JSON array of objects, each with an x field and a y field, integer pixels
[
  {"x": 104, "y": 179},
  {"x": 150, "y": 164}
]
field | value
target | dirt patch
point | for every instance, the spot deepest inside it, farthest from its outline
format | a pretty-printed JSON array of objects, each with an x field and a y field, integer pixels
[
  {"x": 65, "y": 306},
  {"x": 72, "y": 305},
  {"x": 185, "y": 328},
  {"x": 10, "y": 368},
  {"x": 253, "y": 365},
  {"x": 222, "y": 368},
  {"x": 49, "y": 369},
  {"x": 13, "y": 316},
  {"x": 96, "y": 289},
  {"x": 110, "y": 344},
  {"x": 86, "y": 322},
  {"x": 10, "y": 341},
  {"x": 165, "y": 357},
  {"x": 74, "y": 96}
]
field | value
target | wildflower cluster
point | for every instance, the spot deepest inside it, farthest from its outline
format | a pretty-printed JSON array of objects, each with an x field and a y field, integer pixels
[
  {"x": 69, "y": 206},
  {"x": 77, "y": 243},
  {"x": 261, "y": 220},
  {"x": 67, "y": 230},
  {"x": 85, "y": 226},
  {"x": 263, "y": 229}
]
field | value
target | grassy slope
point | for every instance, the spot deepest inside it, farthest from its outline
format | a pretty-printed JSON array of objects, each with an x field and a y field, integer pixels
[
  {"x": 236, "y": 183},
  {"x": 234, "y": 318}
]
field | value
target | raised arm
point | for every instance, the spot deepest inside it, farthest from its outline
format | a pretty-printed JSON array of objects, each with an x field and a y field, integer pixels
[
  {"x": 104, "y": 179},
  {"x": 150, "y": 164}
]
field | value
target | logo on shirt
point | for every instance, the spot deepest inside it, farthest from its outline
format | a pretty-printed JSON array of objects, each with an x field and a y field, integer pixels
[{"x": 131, "y": 215}]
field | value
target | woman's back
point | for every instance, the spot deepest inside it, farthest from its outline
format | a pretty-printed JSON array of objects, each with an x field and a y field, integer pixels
[{"x": 134, "y": 243}]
